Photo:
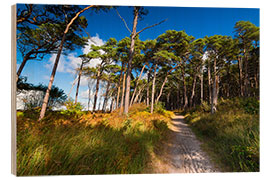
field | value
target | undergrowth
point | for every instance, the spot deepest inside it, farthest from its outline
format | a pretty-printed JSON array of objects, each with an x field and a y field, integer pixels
[
  {"x": 75, "y": 142},
  {"x": 231, "y": 134}
]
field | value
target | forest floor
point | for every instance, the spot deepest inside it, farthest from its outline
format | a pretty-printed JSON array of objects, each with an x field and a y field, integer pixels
[{"x": 181, "y": 152}]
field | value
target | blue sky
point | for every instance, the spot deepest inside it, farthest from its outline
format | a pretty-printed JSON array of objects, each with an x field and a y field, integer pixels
[{"x": 198, "y": 22}]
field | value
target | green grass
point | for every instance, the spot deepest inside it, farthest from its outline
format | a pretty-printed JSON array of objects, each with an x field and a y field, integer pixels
[
  {"x": 231, "y": 135},
  {"x": 88, "y": 144}
]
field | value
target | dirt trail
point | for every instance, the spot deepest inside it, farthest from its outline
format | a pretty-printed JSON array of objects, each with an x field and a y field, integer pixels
[{"x": 182, "y": 152}]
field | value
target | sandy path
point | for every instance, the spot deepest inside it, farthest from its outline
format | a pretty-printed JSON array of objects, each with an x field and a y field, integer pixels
[{"x": 182, "y": 152}]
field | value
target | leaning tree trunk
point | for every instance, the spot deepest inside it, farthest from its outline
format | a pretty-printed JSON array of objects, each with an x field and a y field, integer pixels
[
  {"x": 153, "y": 90},
  {"x": 25, "y": 59},
  {"x": 130, "y": 58},
  {"x": 138, "y": 94},
  {"x": 112, "y": 103},
  {"x": 137, "y": 82},
  {"x": 46, "y": 98},
  {"x": 78, "y": 84}
]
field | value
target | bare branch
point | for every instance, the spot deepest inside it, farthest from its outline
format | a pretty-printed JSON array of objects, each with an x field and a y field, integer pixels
[
  {"x": 151, "y": 26},
  {"x": 123, "y": 21}
]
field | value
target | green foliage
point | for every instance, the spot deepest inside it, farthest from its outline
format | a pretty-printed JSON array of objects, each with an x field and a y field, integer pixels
[
  {"x": 72, "y": 109},
  {"x": 251, "y": 105},
  {"x": 231, "y": 134}
]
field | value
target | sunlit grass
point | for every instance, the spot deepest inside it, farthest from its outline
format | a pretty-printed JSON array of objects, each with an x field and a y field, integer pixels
[
  {"x": 231, "y": 134},
  {"x": 87, "y": 144}
]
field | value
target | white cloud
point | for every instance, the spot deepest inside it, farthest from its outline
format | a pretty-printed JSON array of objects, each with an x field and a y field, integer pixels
[{"x": 71, "y": 62}]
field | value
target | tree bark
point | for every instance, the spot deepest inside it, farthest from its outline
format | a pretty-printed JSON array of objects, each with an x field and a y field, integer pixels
[
  {"x": 153, "y": 90},
  {"x": 123, "y": 93},
  {"x": 240, "y": 76},
  {"x": 46, "y": 98},
  {"x": 106, "y": 97},
  {"x": 201, "y": 85},
  {"x": 185, "y": 88},
  {"x": 147, "y": 90},
  {"x": 137, "y": 82},
  {"x": 119, "y": 86},
  {"x": 193, "y": 90},
  {"x": 215, "y": 88},
  {"x": 131, "y": 54},
  {"x": 112, "y": 103},
  {"x": 78, "y": 84},
  {"x": 97, "y": 89},
  {"x": 25, "y": 59},
  {"x": 209, "y": 83}
]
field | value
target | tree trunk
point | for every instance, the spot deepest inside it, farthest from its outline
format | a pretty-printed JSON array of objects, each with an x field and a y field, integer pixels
[
  {"x": 131, "y": 54},
  {"x": 78, "y": 84},
  {"x": 106, "y": 97},
  {"x": 89, "y": 93},
  {"x": 123, "y": 94},
  {"x": 147, "y": 90},
  {"x": 119, "y": 86},
  {"x": 46, "y": 98},
  {"x": 168, "y": 101},
  {"x": 185, "y": 88},
  {"x": 215, "y": 88},
  {"x": 25, "y": 59},
  {"x": 138, "y": 94},
  {"x": 209, "y": 83},
  {"x": 73, "y": 84},
  {"x": 112, "y": 103},
  {"x": 201, "y": 85},
  {"x": 193, "y": 90},
  {"x": 96, "y": 93},
  {"x": 137, "y": 82},
  {"x": 240, "y": 76},
  {"x": 153, "y": 89}
]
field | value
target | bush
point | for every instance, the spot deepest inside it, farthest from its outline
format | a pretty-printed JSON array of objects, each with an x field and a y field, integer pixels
[
  {"x": 231, "y": 134},
  {"x": 72, "y": 109}
]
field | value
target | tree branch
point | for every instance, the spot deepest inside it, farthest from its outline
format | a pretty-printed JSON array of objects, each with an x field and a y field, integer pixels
[
  {"x": 151, "y": 26},
  {"x": 123, "y": 21}
]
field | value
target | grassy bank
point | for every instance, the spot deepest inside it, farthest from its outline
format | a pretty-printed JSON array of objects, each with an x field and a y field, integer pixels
[
  {"x": 83, "y": 143},
  {"x": 231, "y": 135}
]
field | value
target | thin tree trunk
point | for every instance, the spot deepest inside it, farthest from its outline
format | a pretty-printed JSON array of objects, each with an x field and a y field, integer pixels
[
  {"x": 240, "y": 76},
  {"x": 78, "y": 84},
  {"x": 96, "y": 93},
  {"x": 119, "y": 86},
  {"x": 147, "y": 90},
  {"x": 168, "y": 101},
  {"x": 193, "y": 90},
  {"x": 131, "y": 54},
  {"x": 89, "y": 93},
  {"x": 25, "y": 59},
  {"x": 46, "y": 98},
  {"x": 137, "y": 82},
  {"x": 123, "y": 94},
  {"x": 106, "y": 97},
  {"x": 112, "y": 103},
  {"x": 153, "y": 89},
  {"x": 215, "y": 88},
  {"x": 138, "y": 94},
  {"x": 201, "y": 85},
  {"x": 209, "y": 83},
  {"x": 185, "y": 88},
  {"x": 73, "y": 84}
]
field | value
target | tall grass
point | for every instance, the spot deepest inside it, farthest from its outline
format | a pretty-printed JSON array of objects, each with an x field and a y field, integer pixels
[
  {"x": 231, "y": 134},
  {"x": 66, "y": 143}
]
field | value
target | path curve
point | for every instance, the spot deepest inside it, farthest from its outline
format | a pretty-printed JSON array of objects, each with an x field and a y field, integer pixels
[{"x": 181, "y": 153}]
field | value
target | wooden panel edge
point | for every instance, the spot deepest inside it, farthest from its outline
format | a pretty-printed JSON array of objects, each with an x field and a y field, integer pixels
[{"x": 13, "y": 90}]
